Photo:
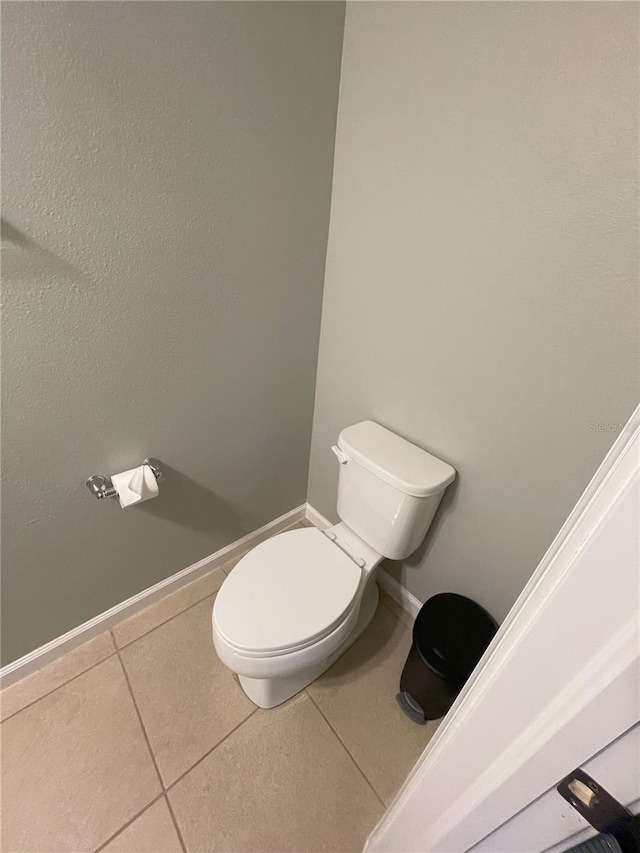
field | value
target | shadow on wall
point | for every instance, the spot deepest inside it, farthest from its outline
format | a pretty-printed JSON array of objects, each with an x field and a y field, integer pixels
[
  {"x": 190, "y": 505},
  {"x": 20, "y": 251}
]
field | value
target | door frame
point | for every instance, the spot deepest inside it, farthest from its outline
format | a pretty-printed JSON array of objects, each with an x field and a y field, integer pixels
[{"x": 511, "y": 736}]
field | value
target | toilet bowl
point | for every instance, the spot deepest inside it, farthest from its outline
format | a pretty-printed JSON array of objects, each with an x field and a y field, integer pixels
[
  {"x": 296, "y": 602},
  {"x": 288, "y": 608}
]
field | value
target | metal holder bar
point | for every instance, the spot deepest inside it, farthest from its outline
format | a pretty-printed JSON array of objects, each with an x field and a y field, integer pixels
[{"x": 102, "y": 487}]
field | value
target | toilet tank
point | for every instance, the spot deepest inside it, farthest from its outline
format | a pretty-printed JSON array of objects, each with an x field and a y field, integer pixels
[{"x": 389, "y": 489}]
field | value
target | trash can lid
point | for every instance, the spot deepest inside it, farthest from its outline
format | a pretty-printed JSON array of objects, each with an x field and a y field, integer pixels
[{"x": 451, "y": 633}]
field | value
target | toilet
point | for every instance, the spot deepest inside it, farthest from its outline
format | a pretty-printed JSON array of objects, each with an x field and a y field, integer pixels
[{"x": 296, "y": 602}]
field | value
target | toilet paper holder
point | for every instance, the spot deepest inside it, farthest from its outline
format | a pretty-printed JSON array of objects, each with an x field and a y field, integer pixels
[{"x": 101, "y": 486}]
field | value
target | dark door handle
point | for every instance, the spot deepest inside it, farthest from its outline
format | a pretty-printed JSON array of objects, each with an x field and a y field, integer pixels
[{"x": 601, "y": 810}]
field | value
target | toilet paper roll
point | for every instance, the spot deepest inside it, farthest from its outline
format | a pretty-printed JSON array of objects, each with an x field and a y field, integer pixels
[{"x": 134, "y": 486}]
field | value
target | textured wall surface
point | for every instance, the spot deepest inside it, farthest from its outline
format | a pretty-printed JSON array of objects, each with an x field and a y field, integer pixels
[
  {"x": 481, "y": 287},
  {"x": 166, "y": 189}
]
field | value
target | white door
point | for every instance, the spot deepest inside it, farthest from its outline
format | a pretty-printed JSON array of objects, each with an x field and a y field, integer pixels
[{"x": 559, "y": 684}]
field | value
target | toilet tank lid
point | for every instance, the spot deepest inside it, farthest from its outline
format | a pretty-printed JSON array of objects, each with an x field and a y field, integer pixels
[{"x": 395, "y": 460}]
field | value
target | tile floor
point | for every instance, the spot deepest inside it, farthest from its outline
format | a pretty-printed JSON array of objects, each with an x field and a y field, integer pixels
[{"x": 140, "y": 741}]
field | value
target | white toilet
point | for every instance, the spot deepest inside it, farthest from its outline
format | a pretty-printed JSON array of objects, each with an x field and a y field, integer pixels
[{"x": 296, "y": 602}]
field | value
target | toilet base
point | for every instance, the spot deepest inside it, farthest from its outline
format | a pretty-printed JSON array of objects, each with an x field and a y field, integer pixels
[{"x": 269, "y": 692}]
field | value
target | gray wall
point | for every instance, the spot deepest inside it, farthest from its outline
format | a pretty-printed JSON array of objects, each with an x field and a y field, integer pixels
[
  {"x": 167, "y": 178},
  {"x": 481, "y": 288}
]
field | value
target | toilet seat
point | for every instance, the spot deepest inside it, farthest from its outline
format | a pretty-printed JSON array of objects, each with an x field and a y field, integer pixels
[{"x": 288, "y": 593}]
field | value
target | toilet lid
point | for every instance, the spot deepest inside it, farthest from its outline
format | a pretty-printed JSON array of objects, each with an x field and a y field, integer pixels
[{"x": 287, "y": 592}]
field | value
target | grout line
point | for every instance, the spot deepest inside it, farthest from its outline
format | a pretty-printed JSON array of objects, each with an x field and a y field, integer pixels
[
  {"x": 347, "y": 750},
  {"x": 164, "y": 622},
  {"x": 116, "y": 650},
  {"x": 209, "y": 751},
  {"x": 60, "y": 686},
  {"x": 129, "y": 822},
  {"x": 144, "y": 731},
  {"x": 56, "y": 648},
  {"x": 175, "y": 823}
]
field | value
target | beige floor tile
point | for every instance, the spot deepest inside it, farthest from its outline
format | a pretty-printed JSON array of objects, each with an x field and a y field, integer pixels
[
  {"x": 406, "y": 618},
  {"x": 357, "y": 696},
  {"x": 188, "y": 700},
  {"x": 75, "y": 766},
  {"x": 152, "y": 832},
  {"x": 232, "y": 563},
  {"x": 168, "y": 607},
  {"x": 35, "y": 686},
  {"x": 281, "y": 782}
]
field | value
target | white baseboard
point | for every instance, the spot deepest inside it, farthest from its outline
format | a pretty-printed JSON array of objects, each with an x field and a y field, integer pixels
[
  {"x": 77, "y": 636},
  {"x": 317, "y": 519},
  {"x": 399, "y": 593},
  {"x": 390, "y": 585}
]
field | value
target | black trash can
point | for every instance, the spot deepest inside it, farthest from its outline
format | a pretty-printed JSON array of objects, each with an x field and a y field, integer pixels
[{"x": 450, "y": 635}]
